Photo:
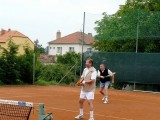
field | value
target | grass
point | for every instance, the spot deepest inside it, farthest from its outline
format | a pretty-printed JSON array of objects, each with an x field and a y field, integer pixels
[{"x": 43, "y": 82}]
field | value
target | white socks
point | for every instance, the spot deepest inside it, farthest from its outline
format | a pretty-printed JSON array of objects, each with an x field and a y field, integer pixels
[
  {"x": 81, "y": 111},
  {"x": 91, "y": 114}
]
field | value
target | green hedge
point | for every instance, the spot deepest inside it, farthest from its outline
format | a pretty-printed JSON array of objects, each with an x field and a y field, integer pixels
[{"x": 55, "y": 73}]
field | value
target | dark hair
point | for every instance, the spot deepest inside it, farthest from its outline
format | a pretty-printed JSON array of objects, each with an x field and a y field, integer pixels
[
  {"x": 90, "y": 61},
  {"x": 103, "y": 64}
]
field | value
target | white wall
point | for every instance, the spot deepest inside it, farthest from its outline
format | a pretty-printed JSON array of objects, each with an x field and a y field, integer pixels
[{"x": 65, "y": 48}]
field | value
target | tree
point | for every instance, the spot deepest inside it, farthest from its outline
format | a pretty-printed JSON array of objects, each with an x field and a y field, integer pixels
[
  {"x": 70, "y": 59},
  {"x": 118, "y": 32},
  {"x": 16, "y": 69},
  {"x": 9, "y": 66},
  {"x": 26, "y": 66},
  {"x": 38, "y": 47},
  {"x": 151, "y": 5}
]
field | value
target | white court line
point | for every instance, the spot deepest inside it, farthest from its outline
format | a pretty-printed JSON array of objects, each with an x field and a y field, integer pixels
[
  {"x": 119, "y": 118},
  {"x": 151, "y": 103},
  {"x": 146, "y": 91},
  {"x": 28, "y": 96}
]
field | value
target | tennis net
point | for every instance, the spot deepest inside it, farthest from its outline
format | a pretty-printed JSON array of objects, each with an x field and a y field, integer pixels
[{"x": 15, "y": 110}]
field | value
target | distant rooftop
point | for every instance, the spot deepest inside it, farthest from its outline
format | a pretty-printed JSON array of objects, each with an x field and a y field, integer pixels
[
  {"x": 6, "y": 34},
  {"x": 74, "y": 38}
]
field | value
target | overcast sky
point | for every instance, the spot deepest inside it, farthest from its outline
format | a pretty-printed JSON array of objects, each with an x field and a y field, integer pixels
[{"x": 41, "y": 19}]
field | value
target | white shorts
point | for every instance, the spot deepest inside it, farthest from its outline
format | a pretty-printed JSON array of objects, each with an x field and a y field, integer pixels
[{"x": 87, "y": 95}]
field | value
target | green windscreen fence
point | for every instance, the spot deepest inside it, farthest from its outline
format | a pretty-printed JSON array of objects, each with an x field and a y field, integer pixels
[{"x": 142, "y": 68}]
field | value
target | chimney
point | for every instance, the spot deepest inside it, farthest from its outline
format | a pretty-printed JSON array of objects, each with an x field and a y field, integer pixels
[
  {"x": 90, "y": 34},
  {"x": 3, "y": 31},
  {"x": 58, "y": 34}
]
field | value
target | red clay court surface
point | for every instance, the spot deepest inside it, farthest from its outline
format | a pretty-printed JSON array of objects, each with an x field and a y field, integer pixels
[{"x": 63, "y": 103}]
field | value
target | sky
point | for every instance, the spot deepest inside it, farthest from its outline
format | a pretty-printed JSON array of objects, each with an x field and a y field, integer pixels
[{"x": 41, "y": 19}]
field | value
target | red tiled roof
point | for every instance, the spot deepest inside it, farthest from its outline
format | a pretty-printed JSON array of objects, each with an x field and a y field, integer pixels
[
  {"x": 9, "y": 34},
  {"x": 74, "y": 38},
  {"x": 46, "y": 58}
]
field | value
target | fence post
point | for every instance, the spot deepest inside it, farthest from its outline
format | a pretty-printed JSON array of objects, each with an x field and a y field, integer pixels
[
  {"x": 33, "y": 68},
  {"x": 134, "y": 86},
  {"x": 81, "y": 70}
]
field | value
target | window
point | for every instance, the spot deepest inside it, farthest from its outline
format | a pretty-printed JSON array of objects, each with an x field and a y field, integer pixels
[
  {"x": 50, "y": 47},
  {"x": 71, "y": 49},
  {"x": 59, "y": 50},
  {"x": 89, "y": 49},
  {"x": 53, "y": 47}
]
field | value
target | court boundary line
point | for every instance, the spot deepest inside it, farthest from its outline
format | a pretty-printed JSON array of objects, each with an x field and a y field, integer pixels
[
  {"x": 146, "y": 91},
  {"x": 28, "y": 96},
  {"x": 89, "y": 113}
]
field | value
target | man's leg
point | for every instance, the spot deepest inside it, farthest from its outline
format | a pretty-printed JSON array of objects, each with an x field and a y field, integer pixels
[
  {"x": 90, "y": 103},
  {"x": 101, "y": 90},
  {"x": 106, "y": 94},
  {"x": 81, "y": 102},
  {"x": 102, "y": 85},
  {"x": 105, "y": 91}
]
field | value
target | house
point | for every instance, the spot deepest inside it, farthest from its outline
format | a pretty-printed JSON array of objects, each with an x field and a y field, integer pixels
[
  {"x": 71, "y": 42},
  {"x": 43, "y": 58},
  {"x": 17, "y": 37}
]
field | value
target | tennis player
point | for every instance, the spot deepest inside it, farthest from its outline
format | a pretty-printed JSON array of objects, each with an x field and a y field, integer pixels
[
  {"x": 88, "y": 87},
  {"x": 104, "y": 81}
]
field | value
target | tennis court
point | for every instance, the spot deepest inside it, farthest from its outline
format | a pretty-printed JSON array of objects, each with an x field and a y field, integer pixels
[{"x": 63, "y": 103}]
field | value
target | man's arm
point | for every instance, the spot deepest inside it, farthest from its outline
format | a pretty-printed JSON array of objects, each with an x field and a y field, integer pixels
[
  {"x": 111, "y": 74},
  {"x": 79, "y": 82},
  {"x": 83, "y": 74},
  {"x": 112, "y": 78},
  {"x": 89, "y": 82},
  {"x": 93, "y": 78},
  {"x": 99, "y": 76}
]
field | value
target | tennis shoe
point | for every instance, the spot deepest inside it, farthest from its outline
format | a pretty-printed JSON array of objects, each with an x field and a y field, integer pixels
[
  {"x": 105, "y": 101},
  {"x": 79, "y": 117}
]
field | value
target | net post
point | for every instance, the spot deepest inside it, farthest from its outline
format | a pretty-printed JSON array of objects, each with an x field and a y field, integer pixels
[{"x": 41, "y": 111}]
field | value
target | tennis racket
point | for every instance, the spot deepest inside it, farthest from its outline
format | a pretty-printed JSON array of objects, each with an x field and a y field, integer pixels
[
  {"x": 79, "y": 81},
  {"x": 110, "y": 75}
]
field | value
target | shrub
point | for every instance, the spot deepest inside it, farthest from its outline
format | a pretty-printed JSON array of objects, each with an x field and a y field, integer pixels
[
  {"x": 70, "y": 59},
  {"x": 55, "y": 73},
  {"x": 44, "y": 82}
]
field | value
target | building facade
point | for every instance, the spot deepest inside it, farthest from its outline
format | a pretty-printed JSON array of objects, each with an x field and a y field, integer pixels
[
  {"x": 70, "y": 43},
  {"x": 18, "y": 38}
]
